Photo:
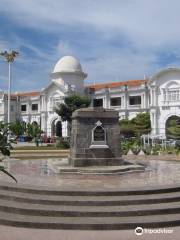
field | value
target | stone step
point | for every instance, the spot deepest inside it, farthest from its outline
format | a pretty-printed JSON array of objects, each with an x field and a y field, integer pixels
[
  {"x": 58, "y": 191},
  {"x": 39, "y": 151},
  {"x": 52, "y": 208},
  {"x": 101, "y": 169},
  {"x": 89, "y": 223},
  {"x": 88, "y": 211},
  {"x": 108, "y": 200},
  {"x": 40, "y": 155},
  {"x": 92, "y": 197}
]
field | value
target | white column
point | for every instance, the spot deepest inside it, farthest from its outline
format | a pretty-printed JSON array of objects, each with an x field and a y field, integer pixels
[
  {"x": 143, "y": 101},
  {"x": 107, "y": 99},
  {"x": 126, "y": 101},
  {"x": 152, "y": 122},
  {"x": 150, "y": 104}
]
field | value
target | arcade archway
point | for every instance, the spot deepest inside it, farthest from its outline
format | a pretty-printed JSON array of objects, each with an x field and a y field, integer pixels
[
  {"x": 173, "y": 127},
  {"x": 56, "y": 128},
  {"x": 59, "y": 129}
]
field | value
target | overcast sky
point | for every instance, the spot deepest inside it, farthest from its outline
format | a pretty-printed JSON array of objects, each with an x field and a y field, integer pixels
[{"x": 114, "y": 40}]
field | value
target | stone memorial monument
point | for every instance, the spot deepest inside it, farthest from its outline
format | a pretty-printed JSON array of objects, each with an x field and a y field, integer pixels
[
  {"x": 95, "y": 144},
  {"x": 95, "y": 138}
]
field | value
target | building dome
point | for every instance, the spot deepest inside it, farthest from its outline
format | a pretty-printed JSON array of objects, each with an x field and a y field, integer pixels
[{"x": 68, "y": 64}]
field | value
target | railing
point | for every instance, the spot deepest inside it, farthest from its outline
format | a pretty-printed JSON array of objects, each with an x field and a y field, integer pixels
[
  {"x": 137, "y": 106},
  {"x": 116, "y": 107},
  {"x": 170, "y": 102}
]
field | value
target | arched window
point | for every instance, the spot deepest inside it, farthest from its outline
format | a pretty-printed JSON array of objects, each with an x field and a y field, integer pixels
[{"x": 56, "y": 128}]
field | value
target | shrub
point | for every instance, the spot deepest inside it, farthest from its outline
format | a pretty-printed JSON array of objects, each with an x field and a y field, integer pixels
[
  {"x": 5, "y": 145},
  {"x": 125, "y": 146},
  {"x": 147, "y": 150},
  {"x": 135, "y": 148},
  {"x": 62, "y": 143}
]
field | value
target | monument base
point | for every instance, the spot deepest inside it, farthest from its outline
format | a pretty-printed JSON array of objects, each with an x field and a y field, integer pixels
[
  {"x": 95, "y": 144},
  {"x": 80, "y": 162},
  {"x": 100, "y": 170}
]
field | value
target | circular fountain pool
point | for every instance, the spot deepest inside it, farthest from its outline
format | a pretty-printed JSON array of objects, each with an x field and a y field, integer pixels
[{"x": 40, "y": 172}]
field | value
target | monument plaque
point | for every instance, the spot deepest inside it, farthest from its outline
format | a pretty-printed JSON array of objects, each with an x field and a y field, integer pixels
[{"x": 99, "y": 134}]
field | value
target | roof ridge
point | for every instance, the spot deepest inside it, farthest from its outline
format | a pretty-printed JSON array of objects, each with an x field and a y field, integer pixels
[
  {"x": 116, "y": 84},
  {"x": 27, "y": 92},
  {"x": 32, "y": 93}
]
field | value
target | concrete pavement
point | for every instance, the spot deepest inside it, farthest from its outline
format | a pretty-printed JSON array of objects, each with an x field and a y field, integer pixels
[{"x": 13, "y": 233}]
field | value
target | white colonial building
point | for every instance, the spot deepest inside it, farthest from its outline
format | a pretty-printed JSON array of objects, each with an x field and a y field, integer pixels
[{"x": 159, "y": 95}]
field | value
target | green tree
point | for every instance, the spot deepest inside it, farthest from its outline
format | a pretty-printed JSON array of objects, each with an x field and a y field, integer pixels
[
  {"x": 18, "y": 128},
  {"x": 5, "y": 145},
  {"x": 141, "y": 124},
  {"x": 126, "y": 128},
  {"x": 33, "y": 130},
  {"x": 173, "y": 128},
  {"x": 71, "y": 103}
]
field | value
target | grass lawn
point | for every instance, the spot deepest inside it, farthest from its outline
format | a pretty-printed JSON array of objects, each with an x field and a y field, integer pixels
[{"x": 50, "y": 147}]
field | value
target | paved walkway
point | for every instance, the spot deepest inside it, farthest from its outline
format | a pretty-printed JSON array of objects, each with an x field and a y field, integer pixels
[{"x": 12, "y": 233}]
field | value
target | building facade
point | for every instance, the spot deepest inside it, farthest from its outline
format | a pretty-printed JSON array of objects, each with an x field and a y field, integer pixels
[{"x": 159, "y": 95}]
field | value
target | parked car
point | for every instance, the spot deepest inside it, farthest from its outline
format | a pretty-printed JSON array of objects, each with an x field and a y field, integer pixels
[
  {"x": 171, "y": 142},
  {"x": 177, "y": 144},
  {"x": 24, "y": 138},
  {"x": 12, "y": 138}
]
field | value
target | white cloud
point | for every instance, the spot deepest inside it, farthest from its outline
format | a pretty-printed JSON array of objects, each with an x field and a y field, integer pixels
[
  {"x": 64, "y": 48},
  {"x": 117, "y": 68},
  {"x": 155, "y": 20},
  {"x": 3, "y": 45},
  {"x": 147, "y": 29},
  {"x": 147, "y": 24}
]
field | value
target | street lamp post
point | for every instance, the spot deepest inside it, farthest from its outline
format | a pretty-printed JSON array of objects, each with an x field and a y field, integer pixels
[{"x": 9, "y": 56}]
